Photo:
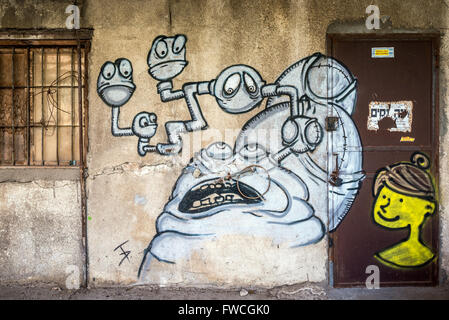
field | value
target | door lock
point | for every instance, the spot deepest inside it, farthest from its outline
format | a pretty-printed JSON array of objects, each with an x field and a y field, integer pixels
[
  {"x": 332, "y": 123},
  {"x": 335, "y": 180}
]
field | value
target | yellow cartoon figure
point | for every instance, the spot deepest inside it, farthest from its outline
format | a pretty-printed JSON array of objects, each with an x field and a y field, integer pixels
[{"x": 405, "y": 198}]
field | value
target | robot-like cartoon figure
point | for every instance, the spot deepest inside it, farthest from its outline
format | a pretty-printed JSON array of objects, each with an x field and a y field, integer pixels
[
  {"x": 115, "y": 87},
  {"x": 166, "y": 60},
  {"x": 237, "y": 89}
]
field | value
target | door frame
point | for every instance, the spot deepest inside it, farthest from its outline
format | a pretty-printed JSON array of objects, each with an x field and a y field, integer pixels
[{"x": 434, "y": 38}]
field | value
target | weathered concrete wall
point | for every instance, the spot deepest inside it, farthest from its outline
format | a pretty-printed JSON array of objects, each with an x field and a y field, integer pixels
[
  {"x": 40, "y": 231},
  {"x": 126, "y": 192},
  {"x": 34, "y": 14}
]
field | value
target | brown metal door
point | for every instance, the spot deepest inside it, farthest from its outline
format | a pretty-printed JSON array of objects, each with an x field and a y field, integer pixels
[{"x": 396, "y": 116}]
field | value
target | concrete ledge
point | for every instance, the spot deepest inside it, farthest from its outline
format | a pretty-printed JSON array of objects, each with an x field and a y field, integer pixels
[
  {"x": 27, "y": 174},
  {"x": 47, "y": 34}
]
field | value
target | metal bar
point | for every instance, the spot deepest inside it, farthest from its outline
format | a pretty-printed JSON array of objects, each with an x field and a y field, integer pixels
[
  {"x": 85, "y": 103},
  {"x": 35, "y": 87},
  {"x": 28, "y": 107},
  {"x": 396, "y": 148},
  {"x": 85, "y": 149},
  {"x": 39, "y": 125},
  {"x": 72, "y": 96},
  {"x": 82, "y": 171},
  {"x": 13, "y": 110},
  {"x": 68, "y": 166},
  {"x": 435, "y": 139},
  {"x": 57, "y": 105},
  {"x": 386, "y": 36},
  {"x": 33, "y": 65},
  {"x": 80, "y": 106},
  {"x": 41, "y": 43},
  {"x": 24, "y": 44},
  {"x": 43, "y": 111}
]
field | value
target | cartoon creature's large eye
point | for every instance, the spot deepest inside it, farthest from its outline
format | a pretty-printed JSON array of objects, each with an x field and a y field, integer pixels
[
  {"x": 250, "y": 84},
  {"x": 253, "y": 152},
  {"x": 161, "y": 49},
  {"x": 153, "y": 118},
  {"x": 143, "y": 122},
  {"x": 219, "y": 151},
  {"x": 108, "y": 70},
  {"x": 125, "y": 68},
  {"x": 179, "y": 44},
  {"x": 231, "y": 85}
]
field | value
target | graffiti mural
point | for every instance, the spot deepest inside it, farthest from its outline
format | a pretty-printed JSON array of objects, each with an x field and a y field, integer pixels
[
  {"x": 237, "y": 89},
  {"x": 166, "y": 60},
  {"x": 405, "y": 198},
  {"x": 264, "y": 187}
]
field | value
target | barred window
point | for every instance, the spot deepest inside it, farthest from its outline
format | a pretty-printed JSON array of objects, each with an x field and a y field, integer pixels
[{"x": 43, "y": 97}]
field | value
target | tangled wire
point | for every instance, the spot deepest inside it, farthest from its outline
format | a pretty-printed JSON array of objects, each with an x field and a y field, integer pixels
[{"x": 52, "y": 102}]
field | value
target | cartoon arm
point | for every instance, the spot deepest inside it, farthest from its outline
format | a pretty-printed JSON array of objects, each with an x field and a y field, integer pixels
[
  {"x": 116, "y": 130},
  {"x": 175, "y": 129},
  {"x": 191, "y": 90},
  {"x": 188, "y": 92},
  {"x": 165, "y": 90},
  {"x": 271, "y": 90}
]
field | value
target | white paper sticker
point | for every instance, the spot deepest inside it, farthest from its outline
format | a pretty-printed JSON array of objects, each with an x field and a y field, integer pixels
[{"x": 400, "y": 114}]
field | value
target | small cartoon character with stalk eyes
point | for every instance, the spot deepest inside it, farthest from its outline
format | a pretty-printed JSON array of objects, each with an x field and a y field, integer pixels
[
  {"x": 115, "y": 87},
  {"x": 237, "y": 89},
  {"x": 405, "y": 198}
]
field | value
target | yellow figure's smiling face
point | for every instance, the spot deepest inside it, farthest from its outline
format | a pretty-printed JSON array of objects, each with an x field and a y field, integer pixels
[{"x": 395, "y": 210}]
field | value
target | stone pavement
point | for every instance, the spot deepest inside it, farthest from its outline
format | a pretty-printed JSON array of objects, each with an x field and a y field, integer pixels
[{"x": 295, "y": 292}]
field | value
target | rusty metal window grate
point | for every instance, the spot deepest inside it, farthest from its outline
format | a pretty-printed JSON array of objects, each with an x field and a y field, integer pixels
[{"x": 42, "y": 105}]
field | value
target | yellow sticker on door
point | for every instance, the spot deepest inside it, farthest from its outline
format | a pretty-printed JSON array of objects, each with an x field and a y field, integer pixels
[
  {"x": 393, "y": 116},
  {"x": 407, "y": 139},
  {"x": 382, "y": 52}
]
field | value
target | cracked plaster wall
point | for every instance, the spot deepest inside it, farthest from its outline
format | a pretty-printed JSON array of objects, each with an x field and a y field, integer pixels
[{"x": 40, "y": 231}]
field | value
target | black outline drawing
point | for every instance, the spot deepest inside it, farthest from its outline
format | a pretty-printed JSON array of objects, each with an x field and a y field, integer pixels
[
  {"x": 123, "y": 253},
  {"x": 115, "y": 87},
  {"x": 296, "y": 100},
  {"x": 410, "y": 179},
  {"x": 237, "y": 89},
  {"x": 299, "y": 99},
  {"x": 166, "y": 60}
]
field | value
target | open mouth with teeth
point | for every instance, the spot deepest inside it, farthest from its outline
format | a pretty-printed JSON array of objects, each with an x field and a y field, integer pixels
[{"x": 210, "y": 194}]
